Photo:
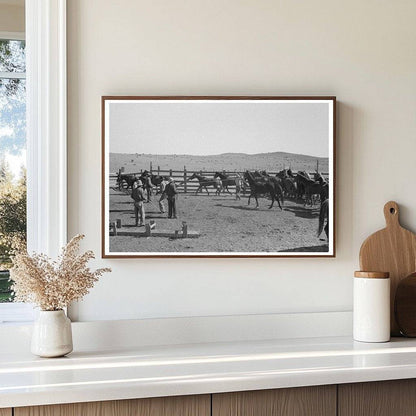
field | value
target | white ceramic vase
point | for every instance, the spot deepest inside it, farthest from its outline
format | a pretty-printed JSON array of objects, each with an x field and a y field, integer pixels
[{"x": 52, "y": 334}]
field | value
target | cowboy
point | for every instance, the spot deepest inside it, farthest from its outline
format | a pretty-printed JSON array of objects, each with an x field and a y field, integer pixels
[
  {"x": 171, "y": 193},
  {"x": 163, "y": 194},
  {"x": 139, "y": 198},
  {"x": 147, "y": 177},
  {"x": 238, "y": 189}
]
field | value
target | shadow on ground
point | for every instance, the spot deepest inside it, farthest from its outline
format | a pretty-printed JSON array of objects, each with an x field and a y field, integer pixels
[
  {"x": 248, "y": 207},
  {"x": 303, "y": 212},
  {"x": 322, "y": 248}
]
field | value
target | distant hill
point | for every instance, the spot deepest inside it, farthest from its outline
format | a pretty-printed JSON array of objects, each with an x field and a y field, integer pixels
[{"x": 274, "y": 161}]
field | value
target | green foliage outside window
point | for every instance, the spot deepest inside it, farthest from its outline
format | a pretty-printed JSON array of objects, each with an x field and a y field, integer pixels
[{"x": 12, "y": 223}]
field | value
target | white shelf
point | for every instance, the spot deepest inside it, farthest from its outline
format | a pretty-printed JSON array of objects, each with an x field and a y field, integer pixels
[{"x": 151, "y": 371}]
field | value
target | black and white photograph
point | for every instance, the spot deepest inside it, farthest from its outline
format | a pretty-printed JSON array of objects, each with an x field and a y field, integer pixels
[{"x": 218, "y": 176}]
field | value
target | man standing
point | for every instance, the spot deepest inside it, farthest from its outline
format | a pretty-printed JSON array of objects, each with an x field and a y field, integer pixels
[
  {"x": 149, "y": 187},
  {"x": 171, "y": 193},
  {"x": 163, "y": 194},
  {"x": 139, "y": 198}
]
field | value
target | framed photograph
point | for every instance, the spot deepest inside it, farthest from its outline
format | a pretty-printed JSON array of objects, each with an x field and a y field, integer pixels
[{"x": 218, "y": 176}]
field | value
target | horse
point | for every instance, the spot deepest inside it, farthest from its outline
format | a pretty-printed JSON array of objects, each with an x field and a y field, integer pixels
[
  {"x": 304, "y": 174},
  {"x": 262, "y": 186},
  {"x": 324, "y": 185},
  {"x": 309, "y": 186},
  {"x": 240, "y": 185},
  {"x": 288, "y": 182},
  {"x": 225, "y": 180},
  {"x": 324, "y": 213},
  {"x": 204, "y": 182},
  {"x": 228, "y": 180},
  {"x": 263, "y": 174},
  {"x": 284, "y": 173},
  {"x": 156, "y": 180},
  {"x": 277, "y": 183},
  {"x": 259, "y": 175},
  {"x": 127, "y": 178}
]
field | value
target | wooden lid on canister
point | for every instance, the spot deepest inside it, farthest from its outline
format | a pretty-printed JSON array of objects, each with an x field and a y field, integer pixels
[{"x": 372, "y": 275}]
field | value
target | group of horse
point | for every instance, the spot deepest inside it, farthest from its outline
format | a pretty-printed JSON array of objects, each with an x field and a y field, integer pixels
[
  {"x": 285, "y": 184},
  {"x": 299, "y": 186},
  {"x": 220, "y": 182},
  {"x": 302, "y": 187},
  {"x": 126, "y": 180}
]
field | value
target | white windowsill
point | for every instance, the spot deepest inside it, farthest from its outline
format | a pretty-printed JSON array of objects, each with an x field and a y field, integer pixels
[{"x": 16, "y": 313}]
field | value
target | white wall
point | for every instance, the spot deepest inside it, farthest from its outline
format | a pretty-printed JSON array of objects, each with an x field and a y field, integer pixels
[{"x": 361, "y": 51}]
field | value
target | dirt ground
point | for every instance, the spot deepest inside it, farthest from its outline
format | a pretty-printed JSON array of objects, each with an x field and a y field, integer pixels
[{"x": 224, "y": 223}]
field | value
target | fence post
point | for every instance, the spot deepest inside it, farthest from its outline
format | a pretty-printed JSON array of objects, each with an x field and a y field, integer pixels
[
  {"x": 170, "y": 172},
  {"x": 185, "y": 188},
  {"x": 158, "y": 170},
  {"x": 151, "y": 167}
]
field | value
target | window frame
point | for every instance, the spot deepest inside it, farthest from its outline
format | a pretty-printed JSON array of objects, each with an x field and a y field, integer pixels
[
  {"x": 12, "y": 35},
  {"x": 46, "y": 125},
  {"x": 14, "y": 312},
  {"x": 46, "y": 137}
]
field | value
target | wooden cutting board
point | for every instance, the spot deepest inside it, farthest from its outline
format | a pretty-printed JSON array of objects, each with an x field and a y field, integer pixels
[{"x": 393, "y": 250}]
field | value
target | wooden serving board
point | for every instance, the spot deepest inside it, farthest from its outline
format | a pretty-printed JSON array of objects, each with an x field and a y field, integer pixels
[{"x": 393, "y": 250}]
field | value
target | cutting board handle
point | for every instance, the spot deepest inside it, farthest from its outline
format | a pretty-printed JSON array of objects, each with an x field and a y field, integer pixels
[{"x": 391, "y": 214}]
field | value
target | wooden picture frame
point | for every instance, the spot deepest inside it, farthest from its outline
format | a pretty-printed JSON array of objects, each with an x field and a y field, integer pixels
[{"x": 251, "y": 140}]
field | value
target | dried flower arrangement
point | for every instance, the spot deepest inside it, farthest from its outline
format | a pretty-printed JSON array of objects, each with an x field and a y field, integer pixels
[{"x": 53, "y": 285}]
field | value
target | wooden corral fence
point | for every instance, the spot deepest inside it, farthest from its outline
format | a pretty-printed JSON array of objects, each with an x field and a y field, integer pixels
[{"x": 181, "y": 177}]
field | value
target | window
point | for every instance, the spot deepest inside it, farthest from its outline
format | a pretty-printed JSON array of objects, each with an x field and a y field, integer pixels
[
  {"x": 45, "y": 27},
  {"x": 12, "y": 154}
]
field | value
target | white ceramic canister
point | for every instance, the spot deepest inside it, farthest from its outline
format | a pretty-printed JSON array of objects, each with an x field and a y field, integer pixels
[
  {"x": 371, "y": 313},
  {"x": 52, "y": 334}
]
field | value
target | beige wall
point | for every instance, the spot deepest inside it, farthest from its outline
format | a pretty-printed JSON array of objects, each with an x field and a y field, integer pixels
[
  {"x": 361, "y": 51},
  {"x": 12, "y": 18}
]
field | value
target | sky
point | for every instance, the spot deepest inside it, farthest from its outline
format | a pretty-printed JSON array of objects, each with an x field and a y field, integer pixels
[
  {"x": 209, "y": 128},
  {"x": 12, "y": 140},
  {"x": 16, "y": 161},
  {"x": 13, "y": 108}
]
